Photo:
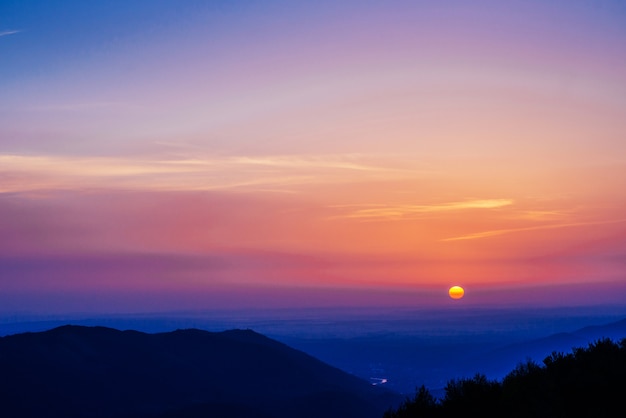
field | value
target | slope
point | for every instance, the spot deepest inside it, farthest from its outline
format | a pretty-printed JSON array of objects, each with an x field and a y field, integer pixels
[{"x": 74, "y": 371}]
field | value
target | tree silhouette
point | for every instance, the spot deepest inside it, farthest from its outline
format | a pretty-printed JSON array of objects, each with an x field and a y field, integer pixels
[
  {"x": 588, "y": 382},
  {"x": 423, "y": 404},
  {"x": 477, "y": 396}
]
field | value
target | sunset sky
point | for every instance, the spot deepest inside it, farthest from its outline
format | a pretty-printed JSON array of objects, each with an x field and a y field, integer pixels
[{"x": 164, "y": 155}]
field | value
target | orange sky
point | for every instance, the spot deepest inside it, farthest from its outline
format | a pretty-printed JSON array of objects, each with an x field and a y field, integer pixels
[{"x": 382, "y": 148}]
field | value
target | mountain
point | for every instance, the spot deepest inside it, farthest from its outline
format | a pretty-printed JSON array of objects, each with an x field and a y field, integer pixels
[
  {"x": 408, "y": 358},
  {"x": 76, "y": 371},
  {"x": 499, "y": 361},
  {"x": 614, "y": 330},
  {"x": 587, "y": 382}
]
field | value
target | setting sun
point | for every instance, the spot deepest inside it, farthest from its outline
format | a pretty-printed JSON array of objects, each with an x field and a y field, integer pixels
[{"x": 456, "y": 292}]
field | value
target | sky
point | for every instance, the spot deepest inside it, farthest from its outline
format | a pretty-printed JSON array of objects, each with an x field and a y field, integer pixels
[{"x": 168, "y": 155}]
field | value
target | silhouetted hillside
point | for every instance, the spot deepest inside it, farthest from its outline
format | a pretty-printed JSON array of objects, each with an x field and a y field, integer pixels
[
  {"x": 588, "y": 382},
  {"x": 76, "y": 371},
  {"x": 497, "y": 363}
]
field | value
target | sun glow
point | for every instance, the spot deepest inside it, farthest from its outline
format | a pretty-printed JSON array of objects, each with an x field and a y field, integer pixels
[{"x": 456, "y": 292}]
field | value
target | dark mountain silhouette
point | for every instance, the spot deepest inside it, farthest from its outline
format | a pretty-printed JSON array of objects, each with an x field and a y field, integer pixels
[{"x": 75, "y": 371}]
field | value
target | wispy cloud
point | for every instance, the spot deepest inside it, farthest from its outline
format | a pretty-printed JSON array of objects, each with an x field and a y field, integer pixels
[
  {"x": 539, "y": 215},
  {"x": 493, "y": 233},
  {"x": 9, "y": 32},
  {"x": 83, "y": 106},
  {"x": 198, "y": 173},
  {"x": 332, "y": 162},
  {"x": 399, "y": 212}
]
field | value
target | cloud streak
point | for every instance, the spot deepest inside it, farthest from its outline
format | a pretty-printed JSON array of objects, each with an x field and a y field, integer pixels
[
  {"x": 333, "y": 162},
  {"x": 9, "y": 32},
  {"x": 198, "y": 173},
  {"x": 402, "y": 212},
  {"x": 497, "y": 232}
]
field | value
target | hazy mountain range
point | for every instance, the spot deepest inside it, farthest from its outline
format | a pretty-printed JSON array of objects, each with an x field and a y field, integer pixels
[
  {"x": 498, "y": 362},
  {"x": 80, "y": 371},
  {"x": 409, "y": 360}
]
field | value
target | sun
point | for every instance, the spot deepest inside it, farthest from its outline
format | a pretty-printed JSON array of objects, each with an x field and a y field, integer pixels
[{"x": 456, "y": 292}]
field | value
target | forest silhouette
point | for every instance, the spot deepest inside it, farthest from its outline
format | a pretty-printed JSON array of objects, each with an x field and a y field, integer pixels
[{"x": 587, "y": 382}]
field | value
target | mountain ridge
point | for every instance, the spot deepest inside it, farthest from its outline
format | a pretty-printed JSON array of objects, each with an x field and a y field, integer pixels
[
  {"x": 539, "y": 348},
  {"x": 76, "y": 371}
]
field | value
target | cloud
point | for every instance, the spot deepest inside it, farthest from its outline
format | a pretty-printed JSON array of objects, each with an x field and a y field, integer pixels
[
  {"x": 331, "y": 162},
  {"x": 539, "y": 215},
  {"x": 487, "y": 234},
  {"x": 82, "y": 106},
  {"x": 9, "y": 32},
  {"x": 197, "y": 173},
  {"x": 398, "y": 212}
]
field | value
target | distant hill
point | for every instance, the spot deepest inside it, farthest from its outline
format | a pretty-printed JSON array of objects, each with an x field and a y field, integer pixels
[
  {"x": 410, "y": 360},
  {"x": 614, "y": 330},
  {"x": 75, "y": 371},
  {"x": 500, "y": 361},
  {"x": 586, "y": 382}
]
